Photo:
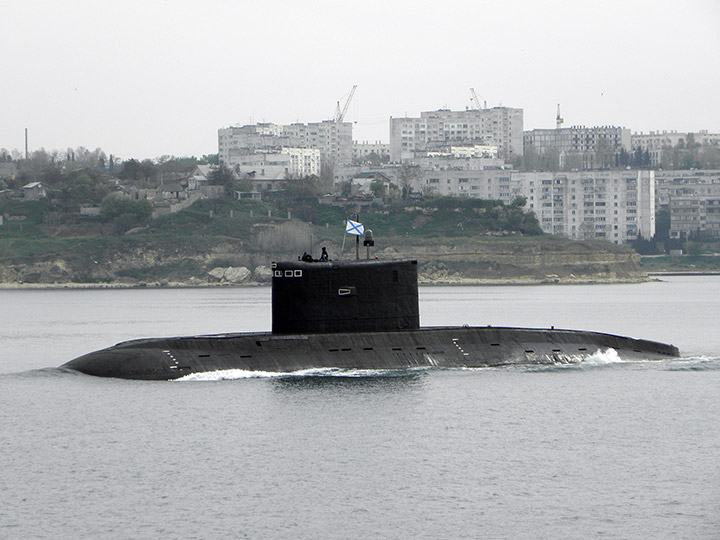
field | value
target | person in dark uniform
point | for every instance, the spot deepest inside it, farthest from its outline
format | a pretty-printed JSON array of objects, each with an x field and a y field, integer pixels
[
  {"x": 324, "y": 254},
  {"x": 306, "y": 257}
]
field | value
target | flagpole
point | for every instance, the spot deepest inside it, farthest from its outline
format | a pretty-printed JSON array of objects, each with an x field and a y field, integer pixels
[{"x": 357, "y": 240}]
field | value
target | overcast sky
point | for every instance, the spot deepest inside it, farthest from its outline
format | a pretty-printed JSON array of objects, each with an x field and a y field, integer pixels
[{"x": 146, "y": 78}]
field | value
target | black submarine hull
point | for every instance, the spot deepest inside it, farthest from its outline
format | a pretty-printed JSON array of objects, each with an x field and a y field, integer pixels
[{"x": 430, "y": 347}]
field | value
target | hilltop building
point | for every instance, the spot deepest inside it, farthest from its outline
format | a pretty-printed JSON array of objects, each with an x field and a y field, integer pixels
[
  {"x": 34, "y": 191},
  {"x": 363, "y": 150},
  {"x": 437, "y": 131},
  {"x": 332, "y": 140},
  {"x": 579, "y": 147},
  {"x": 658, "y": 144},
  {"x": 479, "y": 183}
]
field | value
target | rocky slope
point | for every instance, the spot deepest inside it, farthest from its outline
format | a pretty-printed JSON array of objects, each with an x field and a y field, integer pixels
[{"x": 230, "y": 262}]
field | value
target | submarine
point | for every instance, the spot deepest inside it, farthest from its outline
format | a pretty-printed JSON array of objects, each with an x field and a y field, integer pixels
[{"x": 358, "y": 314}]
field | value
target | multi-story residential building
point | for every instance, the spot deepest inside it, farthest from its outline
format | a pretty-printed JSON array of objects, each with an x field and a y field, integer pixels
[
  {"x": 614, "y": 205},
  {"x": 497, "y": 184},
  {"x": 236, "y": 142},
  {"x": 693, "y": 199},
  {"x": 423, "y": 165},
  {"x": 362, "y": 150},
  {"x": 579, "y": 147},
  {"x": 475, "y": 151},
  {"x": 618, "y": 206},
  {"x": 332, "y": 139},
  {"x": 437, "y": 131},
  {"x": 303, "y": 161},
  {"x": 659, "y": 143}
]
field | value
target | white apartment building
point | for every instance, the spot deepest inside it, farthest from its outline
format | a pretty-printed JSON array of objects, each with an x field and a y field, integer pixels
[
  {"x": 303, "y": 161},
  {"x": 332, "y": 139},
  {"x": 497, "y": 184},
  {"x": 437, "y": 131},
  {"x": 580, "y": 147},
  {"x": 237, "y": 141},
  {"x": 613, "y": 205},
  {"x": 656, "y": 143},
  {"x": 361, "y": 150},
  {"x": 693, "y": 199},
  {"x": 475, "y": 151}
]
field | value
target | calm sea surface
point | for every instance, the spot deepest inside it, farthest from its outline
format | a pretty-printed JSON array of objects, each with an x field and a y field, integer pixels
[{"x": 605, "y": 449}]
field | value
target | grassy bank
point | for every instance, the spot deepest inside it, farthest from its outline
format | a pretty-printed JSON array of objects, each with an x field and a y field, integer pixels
[{"x": 683, "y": 263}]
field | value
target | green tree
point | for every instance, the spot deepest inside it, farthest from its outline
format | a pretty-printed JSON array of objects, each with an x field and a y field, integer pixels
[
  {"x": 327, "y": 177},
  {"x": 81, "y": 189},
  {"x": 210, "y": 159},
  {"x": 662, "y": 225},
  {"x": 378, "y": 188},
  {"x": 125, "y": 212},
  {"x": 604, "y": 154},
  {"x": 408, "y": 175},
  {"x": 138, "y": 171},
  {"x": 222, "y": 175}
]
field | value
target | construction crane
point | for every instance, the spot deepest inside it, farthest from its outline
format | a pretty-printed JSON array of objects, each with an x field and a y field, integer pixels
[
  {"x": 475, "y": 99},
  {"x": 340, "y": 114}
]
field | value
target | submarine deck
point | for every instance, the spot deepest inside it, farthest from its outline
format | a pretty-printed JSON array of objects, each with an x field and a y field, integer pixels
[{"x": 449, "y": 347}]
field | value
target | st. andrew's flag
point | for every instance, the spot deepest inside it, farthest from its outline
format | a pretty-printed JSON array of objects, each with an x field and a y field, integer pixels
[{"x": 353, "y": 227}]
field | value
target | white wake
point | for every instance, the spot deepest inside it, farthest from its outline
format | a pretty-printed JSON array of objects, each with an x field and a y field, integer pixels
[{"x": 233, "y": 374}]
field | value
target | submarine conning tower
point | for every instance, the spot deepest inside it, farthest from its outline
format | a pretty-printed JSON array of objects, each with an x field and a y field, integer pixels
[{"x": 344, "y": 296}]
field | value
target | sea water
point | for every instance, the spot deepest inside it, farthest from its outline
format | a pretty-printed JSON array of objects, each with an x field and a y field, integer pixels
[{"x": 603, "y": 449}]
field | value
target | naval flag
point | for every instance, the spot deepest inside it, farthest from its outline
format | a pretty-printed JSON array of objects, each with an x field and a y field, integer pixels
[{"x": 353, "y": 227}]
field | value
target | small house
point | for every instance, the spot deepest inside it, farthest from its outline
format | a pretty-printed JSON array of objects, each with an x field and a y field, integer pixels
[{"x": 34, "y": 191}]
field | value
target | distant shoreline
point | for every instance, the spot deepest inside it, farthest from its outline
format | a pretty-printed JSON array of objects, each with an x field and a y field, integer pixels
[
  {"x": 253, "y": 284},
  {"x": 688, "y": 273}
]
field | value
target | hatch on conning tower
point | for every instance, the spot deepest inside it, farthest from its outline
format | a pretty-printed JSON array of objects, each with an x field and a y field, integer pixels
[{"x": 344, "y": 296}]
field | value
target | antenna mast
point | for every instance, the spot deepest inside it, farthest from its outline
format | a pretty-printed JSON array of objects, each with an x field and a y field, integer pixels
[{"x": 559, "y": 120}]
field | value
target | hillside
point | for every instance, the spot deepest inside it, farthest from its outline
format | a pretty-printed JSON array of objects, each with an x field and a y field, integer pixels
[{"x": 227, "y": 241}]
